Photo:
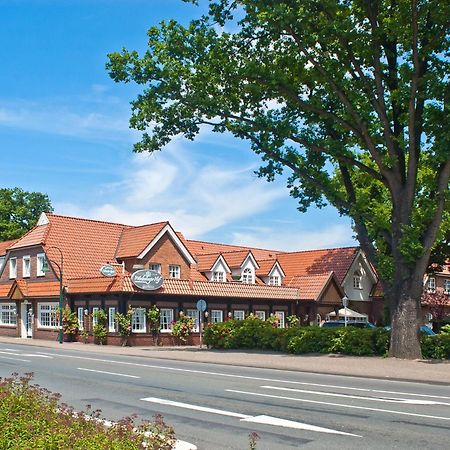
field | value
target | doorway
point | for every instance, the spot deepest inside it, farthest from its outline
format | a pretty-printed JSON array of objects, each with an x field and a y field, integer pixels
[{"x": 27, "y": 320}]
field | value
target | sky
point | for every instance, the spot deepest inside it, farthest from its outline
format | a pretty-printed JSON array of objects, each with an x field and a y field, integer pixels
[{"x": 64, "y": 131}]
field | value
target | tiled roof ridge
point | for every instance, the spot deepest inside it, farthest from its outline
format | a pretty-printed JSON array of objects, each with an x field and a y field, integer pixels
[
  {"x": 233, "y": 245},
  {"x": 84, "y": 219},
  {"x": 134, "y": 227},
  {"x": 355, "y": 247},
  {"x": 29, "y": 232}
]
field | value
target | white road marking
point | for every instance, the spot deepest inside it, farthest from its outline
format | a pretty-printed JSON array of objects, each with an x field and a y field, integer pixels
[
  {"x": 340, "y": 405},
  {"x": 15, "y": 359},
  {"x": 108, "y": 373},
  {"x": 13, "y": 353},
  {"x": 407, "y": 401},
  {"x": 266, "y": 420},
  {"x": 244, "y": 377}
]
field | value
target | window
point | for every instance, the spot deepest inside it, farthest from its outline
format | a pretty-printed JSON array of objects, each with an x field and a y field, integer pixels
[
  {"x": 174, "y": 271},
  {"x": 194, "y": 314},
  {"x": 357, "y": 280},
  {"x": 2, "y": 261},
  {"x": 216, "y": 315},
  {"x": 218, "y": 276},
  {"x": 247, "y": 276},
  {"x": 280, "y": 316},
  {"x": 112, "y": 319},
  {"x": 138, "y": 320},
  {"x": 40, "y": 265},
  {"x": 8, "y": 314},
  {"x": 155, "y": 267},
  {"x": 260, "y": 315},
  {"x": 166, "y": 319},
  {"x": 94, "y": 315},
  {"x": 12, "y": 267},
  {"x": 80, "y": 315},
  {"x": 447, "y": 287},
  {"x": 26, "y": 266},
  {"x": 274, "y": 280},
  {"x": 431, "y": 285},
  {"x": 47, "y": 315},
  {"x": 238, "y": 314}
]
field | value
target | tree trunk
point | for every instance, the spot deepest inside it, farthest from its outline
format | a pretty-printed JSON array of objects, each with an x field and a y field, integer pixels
[{"x": 405, "y": 340}]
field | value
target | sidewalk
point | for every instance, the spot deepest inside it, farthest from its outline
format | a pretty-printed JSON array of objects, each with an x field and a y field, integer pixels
[{"x": 425, "y": 371}]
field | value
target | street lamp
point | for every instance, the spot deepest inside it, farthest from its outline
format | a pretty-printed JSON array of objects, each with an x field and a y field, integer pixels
[
  {"x": 345, "y": 303},
  {"x": 60, "y": 267}
]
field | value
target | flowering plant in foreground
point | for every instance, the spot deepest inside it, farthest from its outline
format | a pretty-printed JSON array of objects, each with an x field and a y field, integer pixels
[
  {"x": 124, "y": 323},
  {"x": 183, "y": 327}
]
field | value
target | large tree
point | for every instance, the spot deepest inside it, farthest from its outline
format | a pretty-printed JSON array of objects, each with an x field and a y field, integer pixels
[
  {"x": 19, "y": 211},
  {"x": 350, "y": 96}
]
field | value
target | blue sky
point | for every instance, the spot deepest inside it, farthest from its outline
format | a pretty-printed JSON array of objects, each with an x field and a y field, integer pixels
[{"x": 64, "y": 131}]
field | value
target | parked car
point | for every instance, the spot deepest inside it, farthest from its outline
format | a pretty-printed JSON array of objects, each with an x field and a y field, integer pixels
[
  {"x": 341, "y": 323},
  {"x": 423, "y": 329}
]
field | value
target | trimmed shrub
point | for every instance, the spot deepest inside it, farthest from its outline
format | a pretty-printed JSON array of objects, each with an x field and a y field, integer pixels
[
  {"x": 436, "y": 347},
  {"x": 311, "y": 340}
]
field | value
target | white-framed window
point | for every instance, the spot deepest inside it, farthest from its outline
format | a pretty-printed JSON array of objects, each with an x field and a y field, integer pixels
[
  {"x": 280, "y": 316},
  {"x": 216, "y": 315},
  {"x": 8, "y": 314},
  {"x": 13, "y": 267},
  {"x": 138, "y": 324},
  {"x": 247, "y": 276},
  {"x": 274, "y": 280},
  {"x": 238, "y": 314},
  {"x": 94, "y": 315},
  {"x": 194, "y": 314},
  {"x": 112, "y": 319},
  {"x": 40, "y": 262},
  {"x": 174, "y": 271},
  {"x": 80, "y": 316},
  {"x": 446, "y": 286},
  {"x": 260, "y": 315},
  {"x": 2, "y": 261},
  {"x": 26, "y": 264},
  {"x": 357, "y": 280},
  {"x": 166, "y": 319},
  {"x": 431, "y": 284},
  {"x": 155, "y": 267},
  {"x": 218, "y": 276},
  {"x": 47, "y": 315}
]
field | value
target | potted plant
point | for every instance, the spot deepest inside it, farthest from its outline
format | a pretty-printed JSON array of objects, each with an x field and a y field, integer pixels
[
  {"x": 70, "y": 324},
  {"x": 124, "y": 326},
  {"x": 154, "y": 323},
  {"x": 99, "y": 330},
  {"x": 183, "y": 327}
]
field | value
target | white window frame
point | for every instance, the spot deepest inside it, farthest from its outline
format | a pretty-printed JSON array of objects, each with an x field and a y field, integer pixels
[
  {"x": 2, "y": 261},
  {"x": 94, "y": 318},
  {"x": 155, "y": 266},
  {"x": 218, "y": 276},
  {"x": 112, "y": 319},
  {"x": 238, "y": 314},
  {"x": 26, "y": 268},
  {"x": 431, "y": 284},
  {"x": 357, "y": 280},
  {"x": 49, "y": 309},
  {"x": 13, "y": 267},
  {"x": 175, "y": 271},
  {"x": 281, "y": 319},
  {"x": 8, "y": 314},
  {"x": 274, "y": 280},
  {"x": 216, "y": 315},
  {"x": 193, "y": 313},
  {"x": 166, "y": 319},
  {"x": 446, "y": 286},
  {"x": 247, "y": 276},
  {"x": 40, "y": 259},
  {"x": 80, "y": 316},
  {"x": 260, "y": 315},
  {"x": 138, "y": 321}
]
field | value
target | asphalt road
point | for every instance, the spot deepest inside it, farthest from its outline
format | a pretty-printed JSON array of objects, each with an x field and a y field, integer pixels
[{"x": 216, "y": 407}]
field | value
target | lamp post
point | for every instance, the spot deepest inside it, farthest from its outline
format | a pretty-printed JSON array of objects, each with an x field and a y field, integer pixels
[
  {"x": 345, "y": 303},
  {"x": 60, "y": 267}
]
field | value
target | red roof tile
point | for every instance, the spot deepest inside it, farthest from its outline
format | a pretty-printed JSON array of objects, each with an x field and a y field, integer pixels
[
  {"x": 35, "y": 236},
  {"x": 4, "y": 290},
  {"x": 206, "y": 262},
  {"x": 265, "y": 267},
  {"x": 311, "y": 286},
  {"x": 5, "y": 245}
]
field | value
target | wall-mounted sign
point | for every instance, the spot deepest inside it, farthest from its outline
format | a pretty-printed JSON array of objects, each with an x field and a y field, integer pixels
[
  {"x": 108, "y": 271},
  {"x": 148, "y": 280}
]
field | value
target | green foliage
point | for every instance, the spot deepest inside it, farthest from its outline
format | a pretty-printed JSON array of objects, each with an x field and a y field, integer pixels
[
  {"x": 293, "y": 321},
  {"x": 124, "y": 323},
  {"x": 312, "y": 340},
  {"x": 153, "y": 316},
  {"x": 19, "y": 211},
  {"x": 436, "y": 347},
  {"x": 99, "y": 330},
  {"x": 183, "y": 327},
  {"x": 57, "y": 426},
  {"x": 69, "y": 322}
]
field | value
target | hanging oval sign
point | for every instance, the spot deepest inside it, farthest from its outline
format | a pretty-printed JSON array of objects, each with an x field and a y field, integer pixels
[
  {"x": 146, "y": 279},
  {"x": 108, "y": 271}
]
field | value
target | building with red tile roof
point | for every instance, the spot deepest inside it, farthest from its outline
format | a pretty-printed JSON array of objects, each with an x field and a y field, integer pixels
[{"x": 113, "y": 267}]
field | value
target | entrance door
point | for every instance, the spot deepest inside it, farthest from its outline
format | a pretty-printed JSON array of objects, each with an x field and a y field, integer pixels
[{"x": 27, "y": 320}]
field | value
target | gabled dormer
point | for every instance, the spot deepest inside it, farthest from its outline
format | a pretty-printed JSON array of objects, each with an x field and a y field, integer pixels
[
  {"x": 271, "y": 272},
  {"x": 243, "y": 266},
  {"x": 214, "y": 267}
]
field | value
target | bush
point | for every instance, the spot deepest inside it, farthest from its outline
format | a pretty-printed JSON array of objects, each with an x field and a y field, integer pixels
[
  {"x": 436, "y": 347},
  {"x": 59, "y": 427},
  {"x": 311, "y": 340}
]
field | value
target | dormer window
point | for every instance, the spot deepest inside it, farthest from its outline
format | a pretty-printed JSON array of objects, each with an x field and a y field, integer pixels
[
  {"x": 26, "y": 266},
  {"x": 218, "y": 276},
  {"x": 40, "y": 265},
  {"x": 431, "y": 285},
  {"x": 12, "y": 267},
  {"x": 247, "y": 276},
  {"x": 274, "y": 280},
  {"x": 357, "y": 280},
  {"x": 447, "y": 287},
  {"x": 2, "y": 261}
]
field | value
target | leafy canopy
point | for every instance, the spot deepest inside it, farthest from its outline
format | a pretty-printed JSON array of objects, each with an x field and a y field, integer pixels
[{"x": 351, "y": 96}]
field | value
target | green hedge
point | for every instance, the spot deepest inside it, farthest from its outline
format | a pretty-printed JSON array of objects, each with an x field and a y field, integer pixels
[{"x": 253, "y": 333}]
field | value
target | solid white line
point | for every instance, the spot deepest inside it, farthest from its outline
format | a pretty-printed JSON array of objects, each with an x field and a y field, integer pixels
[
  {"x": 34, "y": 355},
  {"x": 266, "y": 420},
  {"x": 11, "y": 353},
  {"x": 244, "y": 377},
  {"x": 15, "y": 359},
  {"x": 403, "y": 401},
  {"x": 108, "y": 373},
  {"x": 337, "y": 404}
]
